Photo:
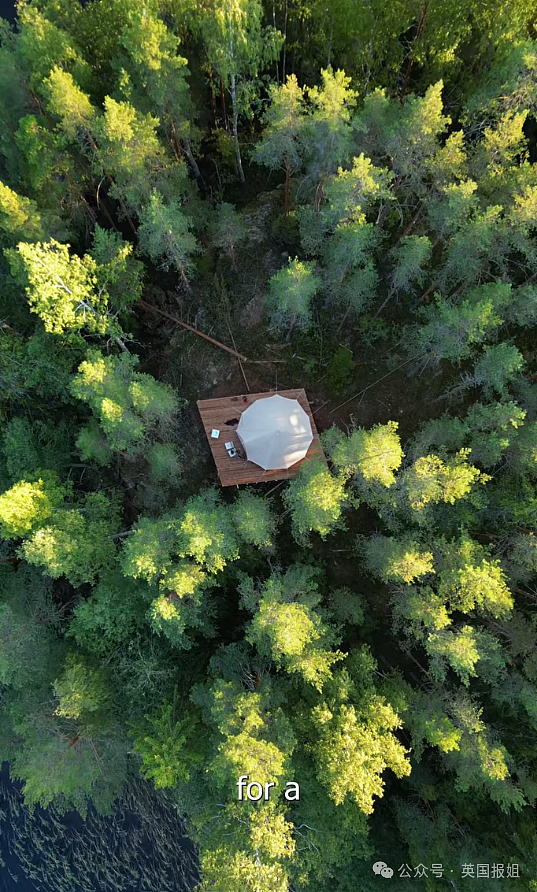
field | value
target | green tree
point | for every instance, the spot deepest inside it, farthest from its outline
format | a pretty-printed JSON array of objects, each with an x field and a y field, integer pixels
[
  {"x": 284, "y": 122},
  {"x": 481, "y": 764},
  {"x": 68, "y": 762},
  {"x": 128, "y": 150},
  {"x": 408, "y": 133},
  {"x": 451, "y": 330},
  {"x": 72, "y": 294},
  {"x": 238, "y": 47},
  {"x": 164, "y": 235},
  {"x": 36, "y": 370},
  {"x": 103, "y": 624},
  {"x": 368, "y": 456},
  {"x": 464, "y": 649},
  {"x": 357, "y": 192},
  {"x": 431, "y": 479},
  {"x": 255, "y": 740},
  {"x": 315, "y": 499},
  {"x": 497, "y": 367},
  {"x": 289, "y": 630},
  {"x": 29, "y": 622},
  {"x": 129, "y": 405},
  {"x": 226, "y": 230},
  {"x": 351, "y": 277},
  {"x": 493, "y": 428},
  {"x": 355, "y": 740},
  {"x": 19, "y": 216},
  {"x": 117, "y": 272},
  {"x": 81, "y": 688},
  {"x": 410, "y": 256},
  {"x": 397, "y": 560},
  {"x": 28, "y": 505},
  {"x": 164, "y": 744},
  {"x": 328, "y": 136},
  {"x": 76, "y": 542},
  {"x": 71, "y": 105},
  {"x": 254, "y": 521},
  {"x": 158, "y": 74},
  {"x": 291, "y": 291},
  {"x": 471, "y": 580},
  {"x": 256, "y": 861}
]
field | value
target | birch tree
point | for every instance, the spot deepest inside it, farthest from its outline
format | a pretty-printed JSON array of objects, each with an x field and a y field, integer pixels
[{"x": 238, "y": 47}]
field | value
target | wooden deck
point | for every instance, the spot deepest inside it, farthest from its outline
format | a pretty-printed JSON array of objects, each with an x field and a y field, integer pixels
[{"x": 224, "y": 413}]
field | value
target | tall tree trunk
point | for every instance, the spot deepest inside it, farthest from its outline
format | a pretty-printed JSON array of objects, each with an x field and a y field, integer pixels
[
  {"x": 274, "y": 26},
  {"x": 285, "y": 39},
  {"x": 223, "y": 101},
  {"x": 319, "y": 195},
  {"x": 181, "y": 270},
  {"x": 110, "y": 179},
  {"x": 213, "y": 99},
  {"x": 191, "y": 160},
  {"x": 123, "y": 207},
  {"x": 419, "y": 32},
  {"x": 235, "y": 128},
  {"x": 101, "y": 204},
  {"x": 287, "y": 179},
  {"x": 179, "y": 149},
  {"x": 290, "y": 330},
  {"x": 174, "y": 141},
  {"x": 329, "y": 56}
]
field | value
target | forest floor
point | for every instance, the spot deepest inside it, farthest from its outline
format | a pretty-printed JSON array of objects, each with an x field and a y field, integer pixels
[{"x": 227, "y": 303}]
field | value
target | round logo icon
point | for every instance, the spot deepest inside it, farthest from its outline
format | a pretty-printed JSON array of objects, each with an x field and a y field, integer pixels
[{"x": 380, "y": 867}]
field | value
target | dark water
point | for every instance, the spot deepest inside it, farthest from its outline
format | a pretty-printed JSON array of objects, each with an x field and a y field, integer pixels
[
  {"x": 141, "y": 847},
  {"x": 7, "y": 10}
]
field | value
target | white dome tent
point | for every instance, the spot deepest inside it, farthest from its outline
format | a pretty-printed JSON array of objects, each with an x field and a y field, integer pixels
[{"x": 275, "y": 432}]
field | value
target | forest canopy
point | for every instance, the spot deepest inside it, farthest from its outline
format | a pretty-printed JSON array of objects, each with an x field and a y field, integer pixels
[{"x": 344, "y": 198}]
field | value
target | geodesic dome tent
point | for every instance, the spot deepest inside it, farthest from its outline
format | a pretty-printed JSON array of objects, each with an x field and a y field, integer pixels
[{"x": 275, "y": 432}]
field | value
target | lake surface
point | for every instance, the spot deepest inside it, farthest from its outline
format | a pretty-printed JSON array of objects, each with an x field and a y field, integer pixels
[
  {"x": 141, "y": 847},
  {"x": 7, "y": 10}
]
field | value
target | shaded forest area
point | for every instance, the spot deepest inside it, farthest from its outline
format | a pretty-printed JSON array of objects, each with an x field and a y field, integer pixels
[{"x": 346, "y": 196}]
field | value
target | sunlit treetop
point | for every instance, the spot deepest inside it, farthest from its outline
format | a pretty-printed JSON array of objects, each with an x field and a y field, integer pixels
[{"x": 369, "y": 455}]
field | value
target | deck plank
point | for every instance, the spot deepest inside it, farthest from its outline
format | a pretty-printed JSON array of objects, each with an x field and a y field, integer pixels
[{"x": 236, "y": 471}]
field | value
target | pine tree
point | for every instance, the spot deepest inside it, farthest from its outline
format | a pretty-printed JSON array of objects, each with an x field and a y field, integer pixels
[
  {"x": 19, "y": 216},
  {"x": 288, "y": 629},
  {"x": 329, "y": 133},
  {"x": 355, "y": 737},
  {"x": 27, "y": 505},
  {"x": 451, "y": 329},
  {"x": 226, "y": 230},
  {"x": 497, "y": 367},
  {"x": 158, "y": 77},
  {"x": 75, "y": 542},
  {"x": 129, "y": 151},
  {"x": 315, "y": 499},
  {"x": 291, "y": 291},
  {"x": 164, "y": 235},
  {"x": 410, "y": 256},
  {"x": 397, "y": 560},
  {"x": 369, "y": 456},
  {"x": 280, "y": 146},
  {"x": 73, "y": 294},
  {"x": 128, "y": 404}
]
